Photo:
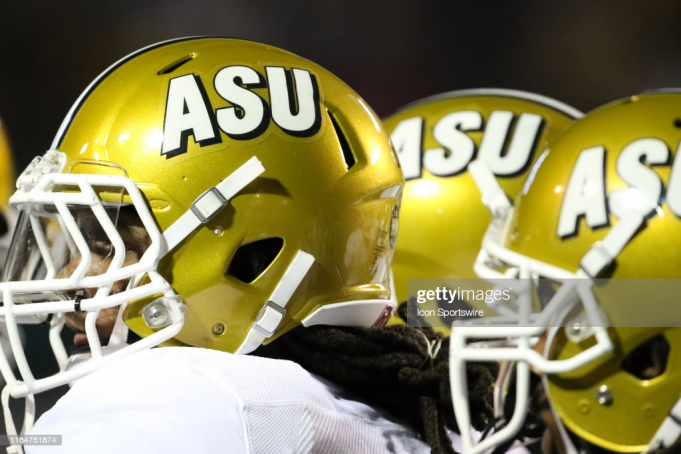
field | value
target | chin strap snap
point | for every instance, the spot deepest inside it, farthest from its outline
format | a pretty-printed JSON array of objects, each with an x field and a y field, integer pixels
[
  {"x": 274, "y": 310},
  {"x": 210, "y": 203}
]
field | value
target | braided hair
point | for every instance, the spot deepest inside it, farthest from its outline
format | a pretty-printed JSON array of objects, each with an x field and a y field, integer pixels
[{"x": 402, "y": 369}]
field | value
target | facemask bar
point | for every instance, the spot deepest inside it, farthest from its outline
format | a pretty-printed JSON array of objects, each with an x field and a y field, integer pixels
[
  {"x": 495, "y": 255},
  {"x": 87, "y": 197},
  {"x": 567, "y": 441},
  {"x": 35, "y": 188},
  {"x": 119, "y": 334},
  {"x": 10, "y": 215}
]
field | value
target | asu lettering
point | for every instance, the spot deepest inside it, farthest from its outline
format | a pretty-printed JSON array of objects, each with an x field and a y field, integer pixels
[
  {"x": 506, "y": 149},
  {"x": 293, "y": 106},
  {"x": 586, "y": 197}
]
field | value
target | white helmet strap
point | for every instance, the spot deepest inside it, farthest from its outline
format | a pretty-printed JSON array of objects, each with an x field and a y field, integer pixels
[
  {"x": 210, "y": 203},
  {"x": 274, "y": 310}
]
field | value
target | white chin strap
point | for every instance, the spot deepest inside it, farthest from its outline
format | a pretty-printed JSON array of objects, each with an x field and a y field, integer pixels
[
  {"x": 359, "y": 313},
  {"x": 211, "y": 202},
  {"x": 273, "y": 312},
  {"x": 604, "y": 253},
  {"x": 204, "y": 208}
]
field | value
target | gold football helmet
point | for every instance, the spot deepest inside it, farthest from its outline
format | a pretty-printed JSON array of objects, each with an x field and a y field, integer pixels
[
  {"x": 218, "y": 192},
  {"x": 7, "y": 168},
  {"x": 443, "y": 217},
  {"x": 597, "y": 222},
  {"x": 7, "y": 215}
]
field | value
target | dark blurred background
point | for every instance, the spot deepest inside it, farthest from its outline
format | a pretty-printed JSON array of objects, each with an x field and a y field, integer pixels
[{"x": 584, "y": 53}]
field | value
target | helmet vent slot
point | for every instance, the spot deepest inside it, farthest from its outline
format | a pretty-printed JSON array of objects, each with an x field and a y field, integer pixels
[
  {"x": 176, "y": 64},
  {"x": 648, "y": 360},
  {"x": 346, "y": 152},
  {"x": 251, "y": 260}
]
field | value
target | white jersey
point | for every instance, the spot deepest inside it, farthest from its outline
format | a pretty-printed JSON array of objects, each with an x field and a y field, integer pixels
[{"x": 192, "y": 400}]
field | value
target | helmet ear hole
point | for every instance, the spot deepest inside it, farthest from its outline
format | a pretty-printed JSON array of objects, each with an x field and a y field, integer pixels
[
  {"x": 251, "y": 260},
  {"x": 648, "y": 360}
]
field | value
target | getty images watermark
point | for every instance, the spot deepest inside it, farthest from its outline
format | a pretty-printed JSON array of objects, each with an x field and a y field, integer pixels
[
  {"x": 457, "y": 296},
  {"x": 643, "y": 303},
  {"x": 439, "y": 303}
]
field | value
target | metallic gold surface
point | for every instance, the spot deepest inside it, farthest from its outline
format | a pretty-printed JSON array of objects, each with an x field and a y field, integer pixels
[
  {"x": 307, "y": 195},
  {"x": 6, "y": 168},
  {"x": 443, "y": 219},
  {"x": 639, "y": 405}
]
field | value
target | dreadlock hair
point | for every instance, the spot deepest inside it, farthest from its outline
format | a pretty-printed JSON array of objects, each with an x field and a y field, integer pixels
[{"x": 396, "y": 368}]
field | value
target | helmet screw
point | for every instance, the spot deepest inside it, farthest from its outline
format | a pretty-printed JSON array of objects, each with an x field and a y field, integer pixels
[
  {"x": 584, "y": 406},
  {"x": 218, "y": 328},
  {"x": 218, "y": 231},
  {"x": 155, "y": 312},
  {"x": 604, "y": 395}
]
